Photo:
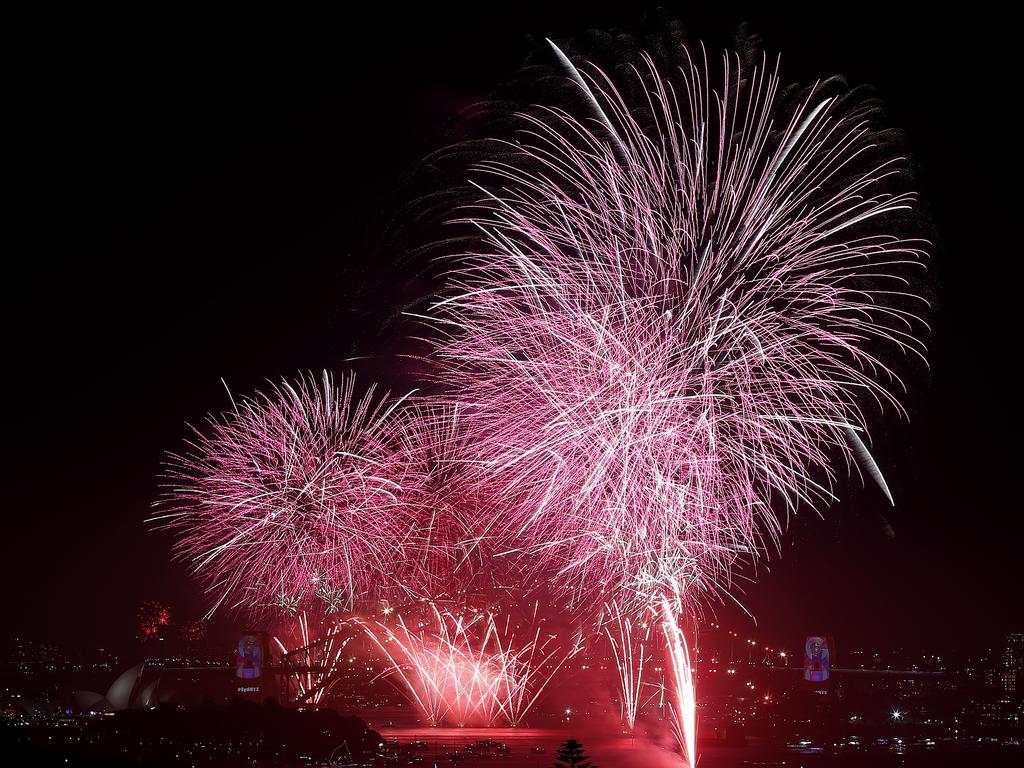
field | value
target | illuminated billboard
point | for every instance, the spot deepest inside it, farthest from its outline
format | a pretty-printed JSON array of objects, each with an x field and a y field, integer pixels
[
  {"x": 249, "y": 658},
  {"x": 816, "y": 659}
]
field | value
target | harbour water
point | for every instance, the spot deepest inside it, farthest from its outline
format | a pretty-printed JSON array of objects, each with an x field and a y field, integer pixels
[{"x": 536, "y": 747}]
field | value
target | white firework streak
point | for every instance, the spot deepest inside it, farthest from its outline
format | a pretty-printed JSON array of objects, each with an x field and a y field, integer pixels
[
  {"x": 318, "y": 659},
  {"x": 465, "y": 670},
  {"x": 630, "y": 646},
  {"x": 683, "y": 704}
]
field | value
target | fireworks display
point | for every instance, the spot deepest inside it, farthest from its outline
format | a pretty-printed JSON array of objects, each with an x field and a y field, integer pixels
[
  {"x": 290, "y": 495},
  {"x": 469, "y": 669},
  {"x": 630, "y": 641},
  {"x": 193, "y": 631},
  {"x": 312, "y": 657},
  {"x": 444, "y": 553},
  {"x": 665, "y": 336},
  {"x": 684, "y": 290},
  {"x": 154, "y": 618},
  {"x": 666, "y": 333}
]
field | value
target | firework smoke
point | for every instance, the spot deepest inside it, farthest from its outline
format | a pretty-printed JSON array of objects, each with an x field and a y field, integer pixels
[{"x": 446, "y": 553}]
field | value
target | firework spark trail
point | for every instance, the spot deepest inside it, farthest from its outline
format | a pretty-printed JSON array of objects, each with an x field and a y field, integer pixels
[
  {"x": 407, "y": 664},
  {"x": 683, "y": 705},
  {"x": 528, "y": 670},
  {"x": 662, "y": 340},
  {"x": 630, "y": 643},
  {"x": 446, "y": 550},
  {"x": 466, "y": 670},
  {"x": 292, "y": 494},
  {"x": 317, "y": 658}
]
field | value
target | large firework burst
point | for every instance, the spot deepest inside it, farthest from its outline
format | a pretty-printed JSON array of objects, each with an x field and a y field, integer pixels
[{"x": 666, "y": 332}]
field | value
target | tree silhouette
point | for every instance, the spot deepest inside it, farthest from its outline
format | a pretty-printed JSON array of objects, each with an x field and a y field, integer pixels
[{"x": 571, "y": 754}]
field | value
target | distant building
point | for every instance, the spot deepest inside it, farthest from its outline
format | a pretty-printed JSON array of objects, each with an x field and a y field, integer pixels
[
  {"x": 1013, "y": 656},
  {"x": 127, "y": 692},
  {"x": 1013, "y": 665},
  {"x": 1008, "y": 678}
]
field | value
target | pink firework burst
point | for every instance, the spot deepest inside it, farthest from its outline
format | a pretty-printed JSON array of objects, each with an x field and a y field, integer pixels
[
  {"x": 665, "y": 334},
  {"x": 449, "y": 551},
  {"x": 440, "y": 554},
  {"x": 291, "y": 495}
]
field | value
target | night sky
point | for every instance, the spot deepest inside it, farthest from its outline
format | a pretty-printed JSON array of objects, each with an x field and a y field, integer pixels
[{"x": 200, "y": 197}]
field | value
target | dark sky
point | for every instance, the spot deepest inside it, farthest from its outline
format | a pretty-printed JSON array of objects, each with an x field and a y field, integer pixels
[{"x": 197, "y": 196}]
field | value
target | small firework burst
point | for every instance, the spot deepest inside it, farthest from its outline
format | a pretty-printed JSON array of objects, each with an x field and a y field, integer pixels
[
  {"x": 154, "y": 618},
  {"x": 292, "y": 493}
]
